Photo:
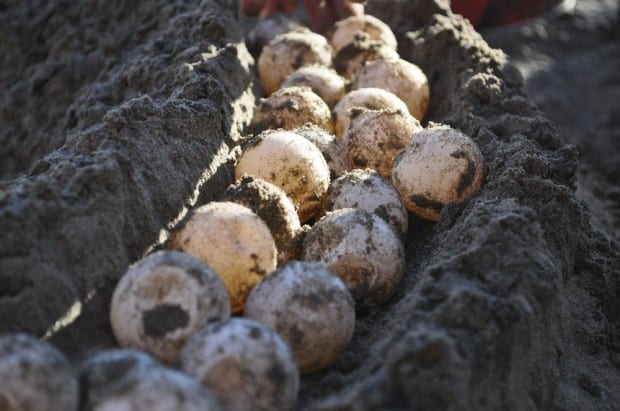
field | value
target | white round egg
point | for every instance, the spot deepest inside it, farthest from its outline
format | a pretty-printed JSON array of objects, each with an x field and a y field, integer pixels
[
  {"x": 247, "y": 365},
  {"x": 163, "y": 299},
  {"x": 232, "y": 240},
  {"x": 441, "y": 165},
  {"x": 292, "y": 163}
]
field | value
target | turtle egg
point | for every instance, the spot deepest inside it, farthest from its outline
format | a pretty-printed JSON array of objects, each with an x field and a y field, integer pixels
[
  {"x": 324, "y": 81},
  {"x": 292, "y": 163},
  {"x": 288, "y": 52},
  {"x": 163, "y": 299},
  {"x": 374, "y": 138},
  {"x": 362, "y": 249},
  {"x": 274, "y": 207},
  {"x": 128, "y": 380},
  {"x": 402, "y": 78},
  {"x": 35, "y": 376},
  {"x": 440, "y": 166},
  {"x": 369, "y": 191},
  {"x": 332, "y": 148},
  {"x": 367, "y": 98},
  {"x": 291, "y": 107},
  {"x": 351, "y": 58},
  {"x": 344, "y": 31},
  {"x": 247, "y": 365},
  {"x": 310, "y": 308},
  {"x": 233, "y": 241}
]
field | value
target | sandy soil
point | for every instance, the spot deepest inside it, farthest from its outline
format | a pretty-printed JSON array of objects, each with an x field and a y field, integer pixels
[{"x": 570, "y": 62}]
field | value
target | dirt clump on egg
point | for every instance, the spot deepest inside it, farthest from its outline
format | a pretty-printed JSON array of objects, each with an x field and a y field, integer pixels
[
  {"x": 291, "y": 107},
  {"x": 370, "y": 191},
  {"x": 292, "y": 163},
  {"x": 351, "y": 58},
  {"x": 371, "y": 98},
  {"x": 274, "y": 207},
  {"x": 344, "y": 31},
  {"x": 163, "y": 299},
  {"x": 332, "y": 148},
  {"x": 374, "y": 137}
]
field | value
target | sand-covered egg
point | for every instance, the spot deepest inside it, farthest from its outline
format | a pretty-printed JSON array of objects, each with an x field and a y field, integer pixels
[
  {"x": 128, "y": 380},
  {"x": 310, "y": 308},
  {"x": 333, "y": 149},
  {"x": 374, "y": 137},
  {"x": 370, "y": 98},
  {"x": 344, "y": 31},
  {"x": 400, "y": 77},
  {"x": 292, "y": 107},
  {"x": 324, "y": 81},
  {"x": 362, "y": 249},
  {"x": 105, "y": 372},
  {"x": 291, "y": 162},
  {"x": 35, "y": 376},
  {"x": 288, "y": 52},
  {"x": 163, "y": 299},
  {"x": 232, "y": 240},
  {"x": 441, "y": 165},
  {"x": 369, "y": 191},
  {"x": 246, "y": 364},
  {"x": 355, "y": 55},
  {"x": 274, "y": 207}
]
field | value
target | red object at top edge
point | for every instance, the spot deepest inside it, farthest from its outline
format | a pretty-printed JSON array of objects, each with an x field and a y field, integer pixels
[{"x": 470, "y": 9}]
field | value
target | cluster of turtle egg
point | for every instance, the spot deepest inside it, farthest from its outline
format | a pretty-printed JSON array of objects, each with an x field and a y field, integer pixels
[
  {"x": 311, "y": 231},
  {"x": 367, "y": 103}
]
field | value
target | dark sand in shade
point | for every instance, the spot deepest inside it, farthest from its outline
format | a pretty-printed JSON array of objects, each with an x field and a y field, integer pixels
[{"x": 117, "y": 116}]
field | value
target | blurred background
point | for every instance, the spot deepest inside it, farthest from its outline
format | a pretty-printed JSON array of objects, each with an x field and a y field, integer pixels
[{"x": 568, "y": 53}]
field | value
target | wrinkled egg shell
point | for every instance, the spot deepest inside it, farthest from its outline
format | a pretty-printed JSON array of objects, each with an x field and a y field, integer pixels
[
  {"x": 128, "y": 380},
  {"x": 374, "y": 138},
  {"x": 324, "y": 81},
  {"x": 292, "y": 163},
  {"x": 400, "y": 77},
  {"x": 440, "y": 166},
  {"x": 310, "y": 308},
  {"x": 291, "y": 107},
  {"x": 288, "y": 52},
  {"x": 344, "y": 31},
  {"x": 362, "y": 249},
  {"x": 274, "y": 207},
  {"x": 247, "y": 365},
  {"x": 35, "y": 376},
  {"x": 370, "y": 98},
  {"x": 371, "y": 192},
  {"x": 163, "y": 299},
  {"x": 233, "y": 241}
]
